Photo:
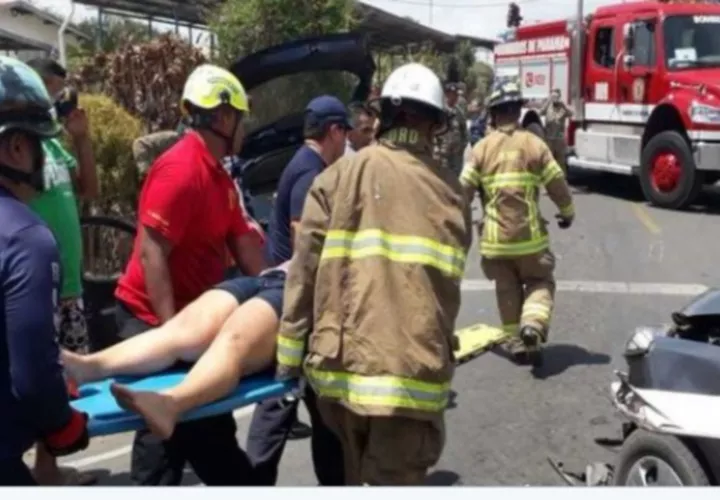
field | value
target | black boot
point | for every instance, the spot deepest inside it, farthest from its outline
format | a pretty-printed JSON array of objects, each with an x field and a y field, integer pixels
[{"x": 532, "y": 338}]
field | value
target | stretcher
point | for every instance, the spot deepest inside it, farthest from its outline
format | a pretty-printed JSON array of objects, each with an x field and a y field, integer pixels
[
  {"x": 476, "y": 339},
  {"x": 106, "y": 417}
]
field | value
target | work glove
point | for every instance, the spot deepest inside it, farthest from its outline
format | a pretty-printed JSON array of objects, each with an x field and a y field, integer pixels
[
  {"x": 563, "y": 221},
  {"x": 70, "y": 439}
]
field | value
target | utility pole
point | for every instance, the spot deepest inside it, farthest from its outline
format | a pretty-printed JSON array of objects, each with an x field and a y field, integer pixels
[{"x": 431, "y": 12}]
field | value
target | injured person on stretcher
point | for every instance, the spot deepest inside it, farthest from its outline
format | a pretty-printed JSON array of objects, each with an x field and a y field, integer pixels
[{"x": 229, "y": 332}]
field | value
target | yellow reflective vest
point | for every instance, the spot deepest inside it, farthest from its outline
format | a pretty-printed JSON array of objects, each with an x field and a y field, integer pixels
[
  {"x": 373, "y": 289},
  {"x": 509, "y": 167}
]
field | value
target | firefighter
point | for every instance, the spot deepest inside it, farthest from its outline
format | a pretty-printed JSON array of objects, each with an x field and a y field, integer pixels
[
  {"x": 373, "y": 290},
  {"x": 450, "y": 146},
  {"x": 508, "y": 168},
  {"x": 556, "y": 114}
]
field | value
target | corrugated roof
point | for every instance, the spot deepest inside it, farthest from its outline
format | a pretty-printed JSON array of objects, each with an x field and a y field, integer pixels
[{"x": 385, "y": 30}]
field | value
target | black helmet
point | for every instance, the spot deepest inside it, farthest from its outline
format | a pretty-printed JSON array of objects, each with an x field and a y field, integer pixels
[
  {"x": 505, "y": 93},
  {"x": 24, "y": 102}
]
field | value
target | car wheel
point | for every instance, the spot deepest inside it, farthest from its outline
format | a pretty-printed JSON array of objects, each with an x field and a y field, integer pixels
[
  {"x": 652, "y": 459},
  {"x": 668, "y": 175}
]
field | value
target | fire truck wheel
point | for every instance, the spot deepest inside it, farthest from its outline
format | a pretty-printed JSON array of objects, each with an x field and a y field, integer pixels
[
  {"x": 668, "y": 175},
  {"x": 536, "y": 129}
]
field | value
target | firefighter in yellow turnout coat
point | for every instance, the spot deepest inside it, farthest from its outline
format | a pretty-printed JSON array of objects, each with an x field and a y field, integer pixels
[
  {"x": 508, "y": 168},
  {"x": 373, "y": 290}
]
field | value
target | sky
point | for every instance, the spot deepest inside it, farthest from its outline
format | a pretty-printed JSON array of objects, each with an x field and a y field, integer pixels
[{"x": 481, "y": 18}]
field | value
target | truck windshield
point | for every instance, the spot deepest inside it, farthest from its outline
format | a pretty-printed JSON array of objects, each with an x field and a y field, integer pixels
[{"x": 692, "y": 41}]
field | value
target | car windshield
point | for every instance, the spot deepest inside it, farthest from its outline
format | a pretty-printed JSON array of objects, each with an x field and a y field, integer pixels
[
  {"x": 692, "y": 41},
  {"x": 288, "y": 95}
]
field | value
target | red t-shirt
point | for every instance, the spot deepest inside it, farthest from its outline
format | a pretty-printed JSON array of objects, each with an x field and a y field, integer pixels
[{"x": 190, "y": 199}]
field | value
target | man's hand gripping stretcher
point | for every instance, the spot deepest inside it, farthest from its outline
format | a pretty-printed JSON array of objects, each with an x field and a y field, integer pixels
[{"x": 229, "y": 332}]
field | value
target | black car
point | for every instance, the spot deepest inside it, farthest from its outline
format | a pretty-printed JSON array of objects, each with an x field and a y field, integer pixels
[{"x": 280, "y": 81}]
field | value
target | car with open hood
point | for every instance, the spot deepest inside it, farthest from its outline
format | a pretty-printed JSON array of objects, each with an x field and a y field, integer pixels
[{"x": 280, "y": 81}]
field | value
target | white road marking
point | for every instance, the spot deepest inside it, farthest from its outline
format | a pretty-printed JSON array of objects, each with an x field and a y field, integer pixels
[
  {"x": 125, "y": 450},
  {"x": 626, "y": 288}
]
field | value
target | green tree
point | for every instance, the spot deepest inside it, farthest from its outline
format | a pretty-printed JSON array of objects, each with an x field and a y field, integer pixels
[
  {"x": 245, "y": 26},
  {"x": 112, "y": 32}
]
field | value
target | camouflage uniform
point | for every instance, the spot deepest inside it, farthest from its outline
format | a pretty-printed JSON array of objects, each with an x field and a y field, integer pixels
[
  {"x": 450, "y": 146},
  {"x": 147, "y": 148},
  {"x": 555, "y": 116}
]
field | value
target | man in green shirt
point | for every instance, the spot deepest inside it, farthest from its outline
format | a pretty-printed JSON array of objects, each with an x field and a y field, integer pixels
[{"x": 57, "y": 206}]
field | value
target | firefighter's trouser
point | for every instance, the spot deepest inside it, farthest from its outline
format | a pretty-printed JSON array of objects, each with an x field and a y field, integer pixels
[
  {"x": 384, "y": 451},
  {"x": 558, "y": 147},
  {"x": 525, "y": 290}
]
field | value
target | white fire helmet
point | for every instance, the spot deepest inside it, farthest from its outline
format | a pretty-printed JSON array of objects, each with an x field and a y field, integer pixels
[{"x": 414, "y": 82}]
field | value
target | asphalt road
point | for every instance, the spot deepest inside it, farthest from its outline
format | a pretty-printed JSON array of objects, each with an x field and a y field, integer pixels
[{"x": 506, "y": 420}]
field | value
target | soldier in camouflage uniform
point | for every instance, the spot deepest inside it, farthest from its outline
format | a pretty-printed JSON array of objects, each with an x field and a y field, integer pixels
[
  {"x": 450, "y": 146},
  {"x": 556, "y": 114},
  {"x": 147, "y": 148}
]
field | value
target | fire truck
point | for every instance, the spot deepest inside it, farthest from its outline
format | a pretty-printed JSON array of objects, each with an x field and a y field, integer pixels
[{"x": 643, "y": 81}]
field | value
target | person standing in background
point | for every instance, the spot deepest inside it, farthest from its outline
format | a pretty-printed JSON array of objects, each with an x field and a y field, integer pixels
[
  {"x": 363, "y": 122},
  {"x": 325, "y": 130},
  {"x": 556, "y": 114},
  {"x": 57, "y": 207},
  {"x": 148, "y": 148},
  {"x": 450, "y": 146}
]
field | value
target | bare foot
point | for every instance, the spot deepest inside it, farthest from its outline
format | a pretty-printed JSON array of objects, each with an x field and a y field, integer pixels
[
  {"x": 158, "y": 410},
  {"x": 79, "y": 367}
]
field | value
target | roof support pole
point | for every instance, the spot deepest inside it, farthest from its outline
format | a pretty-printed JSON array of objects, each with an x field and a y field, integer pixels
[
  {"x": 100, "y": 30},
  {"x": 61, "y": 34}
]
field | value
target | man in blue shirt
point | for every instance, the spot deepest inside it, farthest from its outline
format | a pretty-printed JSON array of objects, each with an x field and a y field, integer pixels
[
  {"x": 325, "y": 130},
  {"x": 34, "y": 399}
]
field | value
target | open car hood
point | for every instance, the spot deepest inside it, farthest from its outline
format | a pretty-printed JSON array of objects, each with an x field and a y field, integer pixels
[
  {"x": 267, "y": 149},
  {"x": 337, "y": 52}
]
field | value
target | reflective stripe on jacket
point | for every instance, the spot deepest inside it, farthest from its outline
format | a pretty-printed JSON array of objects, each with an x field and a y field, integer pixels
[
  {"x": 510, "y": 166},
  {"x": 373, "y": 290}
]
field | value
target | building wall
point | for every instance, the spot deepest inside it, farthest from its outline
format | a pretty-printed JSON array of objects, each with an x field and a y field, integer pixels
[{"x": 30, "y": 27}]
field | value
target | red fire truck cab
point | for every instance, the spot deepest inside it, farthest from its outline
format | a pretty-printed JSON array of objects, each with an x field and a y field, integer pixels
[{"x": 643, "y": 81}]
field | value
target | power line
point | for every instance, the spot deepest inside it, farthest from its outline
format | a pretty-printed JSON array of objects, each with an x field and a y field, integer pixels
[{"x": 432, "y": 3}]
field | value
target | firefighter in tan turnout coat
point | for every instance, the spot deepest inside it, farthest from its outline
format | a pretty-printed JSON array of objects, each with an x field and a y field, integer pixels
[
  {"x": 373, "y": 290},
  {"x": 508, "y": 168}
]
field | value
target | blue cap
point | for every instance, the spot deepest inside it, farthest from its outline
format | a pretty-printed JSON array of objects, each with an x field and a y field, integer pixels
[{"x": 328, "y": 109}]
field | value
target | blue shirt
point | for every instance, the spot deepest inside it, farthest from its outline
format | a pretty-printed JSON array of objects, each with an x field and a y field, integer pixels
[
  {"x": 33, "y": 395},
  {"x": 293, "y": 187}
]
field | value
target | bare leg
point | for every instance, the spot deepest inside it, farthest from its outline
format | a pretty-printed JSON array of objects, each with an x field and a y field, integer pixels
[
  {"x": 245, "y": 345},
  {"x": 184, "y": 338}
]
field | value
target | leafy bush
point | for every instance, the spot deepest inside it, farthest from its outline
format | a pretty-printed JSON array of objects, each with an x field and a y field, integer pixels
[
  {"x": 112, "y": 131},
  {"x": 146, "y": 79}
]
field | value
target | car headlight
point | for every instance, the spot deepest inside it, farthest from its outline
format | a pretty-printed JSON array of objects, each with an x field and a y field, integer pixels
[
  {"x": 703, "y": 113},
  {"x": 642, "y": 338}
]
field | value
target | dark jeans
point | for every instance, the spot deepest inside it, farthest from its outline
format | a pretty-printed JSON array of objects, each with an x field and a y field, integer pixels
[
  {"x": 271, "y": 424},
  {"x": 14, "y": 472},
  {"x": 208, "y": 444}
]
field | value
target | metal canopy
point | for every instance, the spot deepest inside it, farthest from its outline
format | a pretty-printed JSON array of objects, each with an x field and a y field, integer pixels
[{"x": 385, "y": 30}]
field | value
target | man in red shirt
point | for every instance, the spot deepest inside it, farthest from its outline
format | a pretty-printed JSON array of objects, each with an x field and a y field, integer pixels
[{"x": 190, "y": 216}]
